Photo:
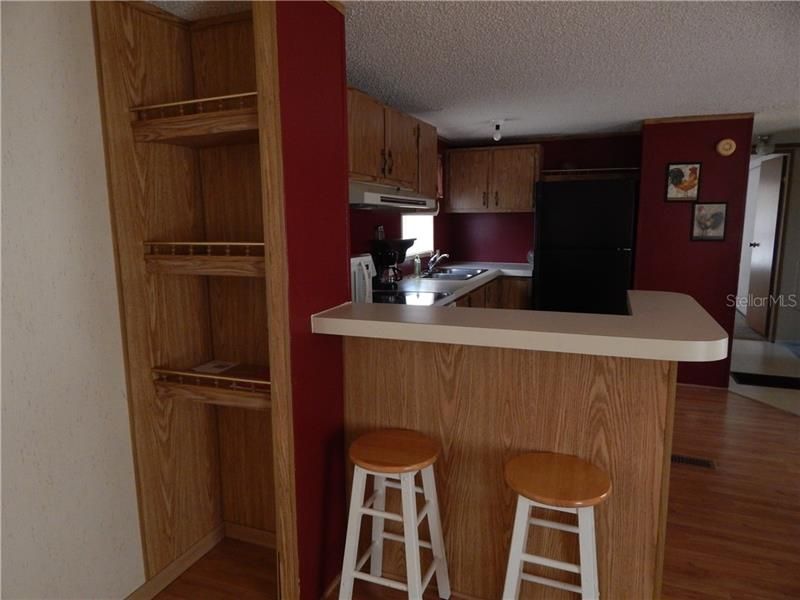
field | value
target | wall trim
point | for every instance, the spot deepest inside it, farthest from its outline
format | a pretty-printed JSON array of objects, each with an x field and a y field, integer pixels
[
  {"x": 251, "y": 535},
  {"x": 693, "y": 118},
  {"x": 150, "y": 588}
]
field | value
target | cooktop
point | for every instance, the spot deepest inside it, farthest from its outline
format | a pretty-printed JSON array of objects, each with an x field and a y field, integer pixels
[{"x": 410, "y": 298}]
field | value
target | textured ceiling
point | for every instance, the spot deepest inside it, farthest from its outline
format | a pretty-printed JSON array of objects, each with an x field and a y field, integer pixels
[
  {"x": 569, "y": 67},
  {"x": 194, "y": 9},
  {"x": 584, "y": 67}
]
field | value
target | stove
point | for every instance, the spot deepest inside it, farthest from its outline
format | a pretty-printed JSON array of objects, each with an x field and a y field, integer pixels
[{"x": 409, "y": 298}]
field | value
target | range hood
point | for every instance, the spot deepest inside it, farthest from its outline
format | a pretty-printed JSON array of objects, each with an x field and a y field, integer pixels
[{"x": 380, "y": 197}]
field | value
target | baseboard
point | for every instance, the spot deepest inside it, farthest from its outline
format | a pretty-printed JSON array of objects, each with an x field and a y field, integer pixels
[
  {"x": 150, "y": 588},
  {"x": 250, "y": 534}
]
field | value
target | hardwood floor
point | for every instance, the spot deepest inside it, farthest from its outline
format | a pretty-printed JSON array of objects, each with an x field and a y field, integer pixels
[
  {"x": 733, "y": 532},
  {"x": 233, "y": 569}
]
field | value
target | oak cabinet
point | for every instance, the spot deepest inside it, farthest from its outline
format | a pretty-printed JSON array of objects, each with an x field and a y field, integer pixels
[
  {"x": 493, "y": 179},
  {"x": 366, "y": 135},
  {"x": 468, "y": 180},
  {"x": 402, "y": 154},
  {"x": 389, "y": 147},
  {"x": 428, "y": 161},
  {"x": 503, "y": 292}
]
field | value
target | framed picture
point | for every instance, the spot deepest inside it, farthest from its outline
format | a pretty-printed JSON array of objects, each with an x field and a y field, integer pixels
[
  {"x": 683, "y": 182},
  {"x": 708, "y": 221}
]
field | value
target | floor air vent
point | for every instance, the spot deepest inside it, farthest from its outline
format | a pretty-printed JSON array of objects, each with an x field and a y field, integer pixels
[{"x": 681, "y": 459}]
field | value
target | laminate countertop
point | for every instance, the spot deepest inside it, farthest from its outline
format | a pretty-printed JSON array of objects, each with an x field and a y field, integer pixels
[{"x": 662, "y": 326}]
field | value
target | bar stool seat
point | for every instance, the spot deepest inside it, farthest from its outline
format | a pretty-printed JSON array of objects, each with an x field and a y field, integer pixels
[
  {"x": 562, "y": 483},
  {"x": 394, "y": 451},
  {"x": 394, "y": 458},
  {"x": 557, "y": 479}
]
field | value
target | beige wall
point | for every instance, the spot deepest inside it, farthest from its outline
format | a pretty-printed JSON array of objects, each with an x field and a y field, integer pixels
[{"x": 69, "y": 523}]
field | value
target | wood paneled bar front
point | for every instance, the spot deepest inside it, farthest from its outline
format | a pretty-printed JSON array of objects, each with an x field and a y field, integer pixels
[{"x": 489, "y": 392}]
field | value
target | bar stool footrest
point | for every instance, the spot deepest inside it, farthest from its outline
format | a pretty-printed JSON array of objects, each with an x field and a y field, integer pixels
[
  {"x": 549, "y": 562},
  {"x": 551, "y": 583},
  {"x": 397, "y": 585}
]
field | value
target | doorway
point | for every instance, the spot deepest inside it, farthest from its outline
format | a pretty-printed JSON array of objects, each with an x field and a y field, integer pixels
[{"x": 765, "y": 356}]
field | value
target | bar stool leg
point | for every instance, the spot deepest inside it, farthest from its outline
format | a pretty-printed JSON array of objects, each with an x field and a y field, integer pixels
[
  {"x": 353, "y": 532},
  {"x": 411, "y": 535},
  {"x": 518, "y": 539},
  {"x": 588, "y": 552},
  {"x": 435, "y": 526},
  {"x": 376, "y": 558}
]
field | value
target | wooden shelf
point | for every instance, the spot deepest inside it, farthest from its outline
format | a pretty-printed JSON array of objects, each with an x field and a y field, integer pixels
[
  {"x": 242, "y": 386},
  {"x": 202, "y": 122},
  {"x": 235, "y": 259}
]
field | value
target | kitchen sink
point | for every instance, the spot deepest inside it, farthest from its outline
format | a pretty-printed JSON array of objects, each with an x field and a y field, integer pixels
[{"x": 453, "y": 273}]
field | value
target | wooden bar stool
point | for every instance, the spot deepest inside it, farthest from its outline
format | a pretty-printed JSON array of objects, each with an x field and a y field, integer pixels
[
  {"x": 393, "y": 457},
  {"x": 566, "y": 484}
]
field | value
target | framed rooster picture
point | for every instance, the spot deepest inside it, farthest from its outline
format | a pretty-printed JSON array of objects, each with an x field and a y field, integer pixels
[
  {"x": 683, "y": 182},
  {"x": 708, "y": 221}
]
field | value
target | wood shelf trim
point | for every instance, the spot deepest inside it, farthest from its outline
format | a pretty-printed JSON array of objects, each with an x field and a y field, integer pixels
[
  {"x": 197, "y": 102},
  {"x": 226, "y": 266},
  {"x": 237, "y": 259},
  {"x": 240, "y": 391},
  {"x": 212, "y": 377},
  {"x": 239, "y": 125},
  {"x": 168, "y": 390}
]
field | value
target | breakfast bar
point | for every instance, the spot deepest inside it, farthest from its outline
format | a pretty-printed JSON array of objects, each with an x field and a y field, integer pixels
[{"x": 490, "y": 384}]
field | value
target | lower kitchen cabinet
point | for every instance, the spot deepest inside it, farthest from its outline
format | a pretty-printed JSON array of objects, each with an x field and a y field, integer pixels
[{"x": 503, "y": 292}]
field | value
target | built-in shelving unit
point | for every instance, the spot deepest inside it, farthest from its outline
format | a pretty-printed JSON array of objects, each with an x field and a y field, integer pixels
[
  {"x": 188, "y": 208},
  {"x": 241, "y": 386},
  {"x": 200, "y": 122},
  {"x": 236, "y": 259}
]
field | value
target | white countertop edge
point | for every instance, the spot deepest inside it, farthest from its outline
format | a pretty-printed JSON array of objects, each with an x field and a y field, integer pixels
[{"x": 571, "y": 343}]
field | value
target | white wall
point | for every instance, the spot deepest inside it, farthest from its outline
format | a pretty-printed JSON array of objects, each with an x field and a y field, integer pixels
[
  {"x": 787, "y": 326},
  {"x": 751, "y": 203},
  {"x": 69, "y": 523}
]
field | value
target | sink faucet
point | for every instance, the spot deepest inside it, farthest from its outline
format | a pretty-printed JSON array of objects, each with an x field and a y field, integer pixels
[{"x": 435, "y": 259}]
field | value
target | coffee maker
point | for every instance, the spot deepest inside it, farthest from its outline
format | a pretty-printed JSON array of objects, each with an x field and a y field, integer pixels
[{"x": 387, "y": 255}]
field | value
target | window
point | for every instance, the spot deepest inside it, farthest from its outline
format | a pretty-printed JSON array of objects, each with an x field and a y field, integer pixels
[{"x": 421, "y": 228}]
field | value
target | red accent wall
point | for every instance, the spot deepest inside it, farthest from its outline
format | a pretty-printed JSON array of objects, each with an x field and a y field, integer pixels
[
  {"x": 507, "y": 237},
  {"x": 493, "y": 237},
  {"x": 666, "y": 259},
  {"x": 311, "y": 62}
]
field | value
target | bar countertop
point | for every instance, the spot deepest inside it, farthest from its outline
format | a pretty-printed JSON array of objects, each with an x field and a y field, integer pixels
[{"x": 662, "y": 326}]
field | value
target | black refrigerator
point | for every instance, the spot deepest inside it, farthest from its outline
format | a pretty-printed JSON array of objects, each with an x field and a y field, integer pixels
[{"x": 583, "y": 245}]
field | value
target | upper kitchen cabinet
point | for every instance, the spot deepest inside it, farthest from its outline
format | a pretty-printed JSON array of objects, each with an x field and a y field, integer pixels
[
  {"x": 428, "y": 160},
  {"x": 390, "y": 147},
  {"x": 468, "y": 180},
  {"x": 367, "y": 149},
  {"x": 402, "y": 153},
  {"x": 493, "y": 179}
]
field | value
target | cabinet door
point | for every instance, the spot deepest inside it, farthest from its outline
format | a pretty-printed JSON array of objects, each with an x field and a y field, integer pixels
[
  {"x": 428, "y": 160},
  {"x": 494, "y": 294},
  {"x": 513, "y": 179},
  {"x": 366, "y": 136},
  {"x": 515, "y": 292},
  {"x": 468, "y": 180},
  {"x": 402, "y": 156}
]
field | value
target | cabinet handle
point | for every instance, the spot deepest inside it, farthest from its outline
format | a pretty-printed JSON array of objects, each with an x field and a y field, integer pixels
[
  {"x": 497, "y": 198},
  {"x": 485, "y": 201},
  {"x": 391, "y": 162},
  {"x": 383, "y": 161}
]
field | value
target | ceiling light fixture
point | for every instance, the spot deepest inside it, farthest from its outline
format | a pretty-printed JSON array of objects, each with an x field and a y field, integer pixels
[
  {"x": 496, "y": 135},
  {"x": 763, "y": 147}
]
